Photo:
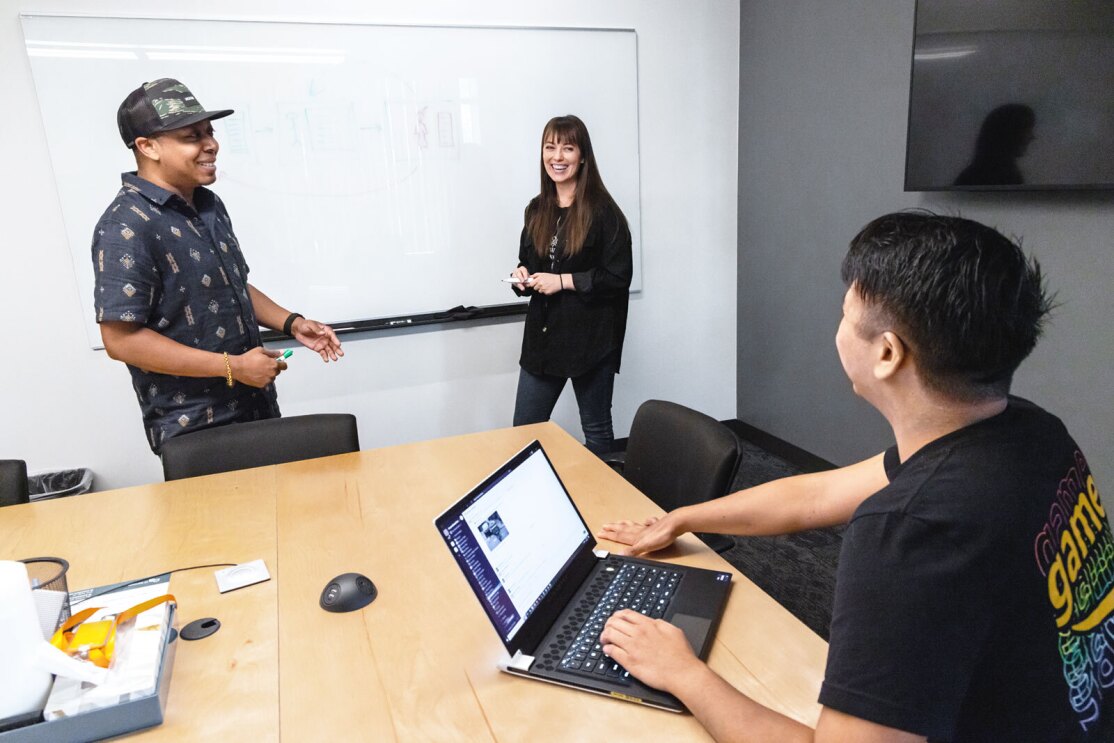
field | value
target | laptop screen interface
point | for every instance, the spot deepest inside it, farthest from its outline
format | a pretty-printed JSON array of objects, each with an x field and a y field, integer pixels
[{"x": 513, "y": 538}]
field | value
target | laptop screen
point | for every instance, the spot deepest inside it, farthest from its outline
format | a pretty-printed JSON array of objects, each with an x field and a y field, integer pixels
[{"x": 513, "y": 535}]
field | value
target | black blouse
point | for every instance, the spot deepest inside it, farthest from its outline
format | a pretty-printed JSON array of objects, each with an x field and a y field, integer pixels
[{"x": 570, "y": 332}]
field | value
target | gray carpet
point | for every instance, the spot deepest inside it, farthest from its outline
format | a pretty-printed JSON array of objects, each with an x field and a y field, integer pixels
[{"x": 797, "y": 570}]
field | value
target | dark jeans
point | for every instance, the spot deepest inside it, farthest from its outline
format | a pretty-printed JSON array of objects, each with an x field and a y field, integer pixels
[{"x": 538, "y": 393}]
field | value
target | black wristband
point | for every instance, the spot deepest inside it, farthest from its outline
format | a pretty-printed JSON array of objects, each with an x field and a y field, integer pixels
[{"x": 286, "y": 326}]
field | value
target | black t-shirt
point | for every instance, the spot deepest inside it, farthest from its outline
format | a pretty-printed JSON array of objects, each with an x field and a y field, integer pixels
[
  {"x": 568, "y": 333},
  {"x": 974, "y": 597}
]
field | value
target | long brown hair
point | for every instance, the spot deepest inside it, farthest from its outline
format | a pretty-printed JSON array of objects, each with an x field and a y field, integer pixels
[{"x": 590, "y": 195}]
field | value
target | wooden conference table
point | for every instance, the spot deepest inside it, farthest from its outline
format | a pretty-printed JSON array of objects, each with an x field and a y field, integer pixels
[{"x": 420, "y": 663}]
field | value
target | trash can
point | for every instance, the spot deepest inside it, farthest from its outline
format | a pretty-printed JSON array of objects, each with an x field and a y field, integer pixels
[{"x": 59, "y": 484}]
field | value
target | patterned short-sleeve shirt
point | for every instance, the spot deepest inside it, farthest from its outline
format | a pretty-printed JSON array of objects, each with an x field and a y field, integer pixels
[{"x": 178, "y": 270}]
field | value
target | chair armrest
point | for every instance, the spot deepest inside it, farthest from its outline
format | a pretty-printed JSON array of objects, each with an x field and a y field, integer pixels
[
  {"x": 615, "y": 460},
  {"x": 721, "y": 543}
]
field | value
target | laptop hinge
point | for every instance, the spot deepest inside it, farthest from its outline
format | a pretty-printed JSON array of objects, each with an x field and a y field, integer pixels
[
  {"x": 521, "y": 661},
  {"x": 602, "y": 554}
]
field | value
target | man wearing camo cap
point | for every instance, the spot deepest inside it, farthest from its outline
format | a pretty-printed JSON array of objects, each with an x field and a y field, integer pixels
[{"x": 172, "y": 295}]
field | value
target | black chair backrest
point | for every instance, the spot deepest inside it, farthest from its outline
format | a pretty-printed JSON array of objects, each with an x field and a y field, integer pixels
[
  {"x": 239, "y": 446},
  {"x": 677, "y": 456},
  {"x": 13, "y": 482}
]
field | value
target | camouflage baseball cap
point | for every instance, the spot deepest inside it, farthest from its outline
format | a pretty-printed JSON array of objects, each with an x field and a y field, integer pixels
[{"x": 160, "y": 106}]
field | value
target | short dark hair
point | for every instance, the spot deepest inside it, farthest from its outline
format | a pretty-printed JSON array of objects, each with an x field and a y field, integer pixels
[{"x": 963, "y": 297}]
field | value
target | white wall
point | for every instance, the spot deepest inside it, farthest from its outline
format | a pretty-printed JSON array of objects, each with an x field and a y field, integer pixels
[
  {"x": 825, "y": 90},
  {"x": 64, "y": 404}
]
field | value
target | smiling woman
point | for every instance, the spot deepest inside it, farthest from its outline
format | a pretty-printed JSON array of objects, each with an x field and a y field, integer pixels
[
  {"x": 562, "y": 162},
  {"x": 575, "y": 264}
]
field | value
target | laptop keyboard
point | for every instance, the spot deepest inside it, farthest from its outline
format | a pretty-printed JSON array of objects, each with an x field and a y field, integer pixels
[{"x": 644, "y": 589}]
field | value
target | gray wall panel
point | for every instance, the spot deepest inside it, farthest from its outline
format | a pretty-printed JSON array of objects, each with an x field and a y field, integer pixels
[{"x": 824, "y": 90}]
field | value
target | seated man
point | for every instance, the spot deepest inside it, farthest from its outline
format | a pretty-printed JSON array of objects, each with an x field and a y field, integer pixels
[{"x": 974, "y": 595}]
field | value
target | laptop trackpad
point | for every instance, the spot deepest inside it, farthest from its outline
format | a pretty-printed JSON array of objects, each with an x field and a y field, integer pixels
[{"x": 695, "y": 629}]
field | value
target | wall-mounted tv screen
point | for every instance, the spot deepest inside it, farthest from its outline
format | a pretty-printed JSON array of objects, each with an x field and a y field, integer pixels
[{"x": 1011, "y": 94}]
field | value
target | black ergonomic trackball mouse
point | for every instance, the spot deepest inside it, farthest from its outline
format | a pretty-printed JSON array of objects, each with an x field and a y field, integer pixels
[{"x": 348, "y": 592}]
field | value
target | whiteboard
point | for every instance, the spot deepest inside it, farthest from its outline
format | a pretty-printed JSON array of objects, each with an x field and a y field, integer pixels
[{"x": 370, "y": 171}]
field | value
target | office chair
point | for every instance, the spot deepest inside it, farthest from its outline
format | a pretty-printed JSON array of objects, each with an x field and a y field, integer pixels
[
  {"x": 239, "y": 446},
  {"x": 13, "y": 482},
  {"x": 677, "y": 457}
]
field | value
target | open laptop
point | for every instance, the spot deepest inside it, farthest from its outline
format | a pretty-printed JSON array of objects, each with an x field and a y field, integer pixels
[{"x": 529, "y": 557}]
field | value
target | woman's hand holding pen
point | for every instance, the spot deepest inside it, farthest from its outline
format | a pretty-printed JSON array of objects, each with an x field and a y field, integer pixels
[
  {"x": 522, "y": 275},
  {"x": 546, "y": 283}
]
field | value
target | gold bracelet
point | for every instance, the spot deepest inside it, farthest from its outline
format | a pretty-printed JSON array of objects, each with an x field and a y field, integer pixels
[{"x": 227, "y": 370}]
